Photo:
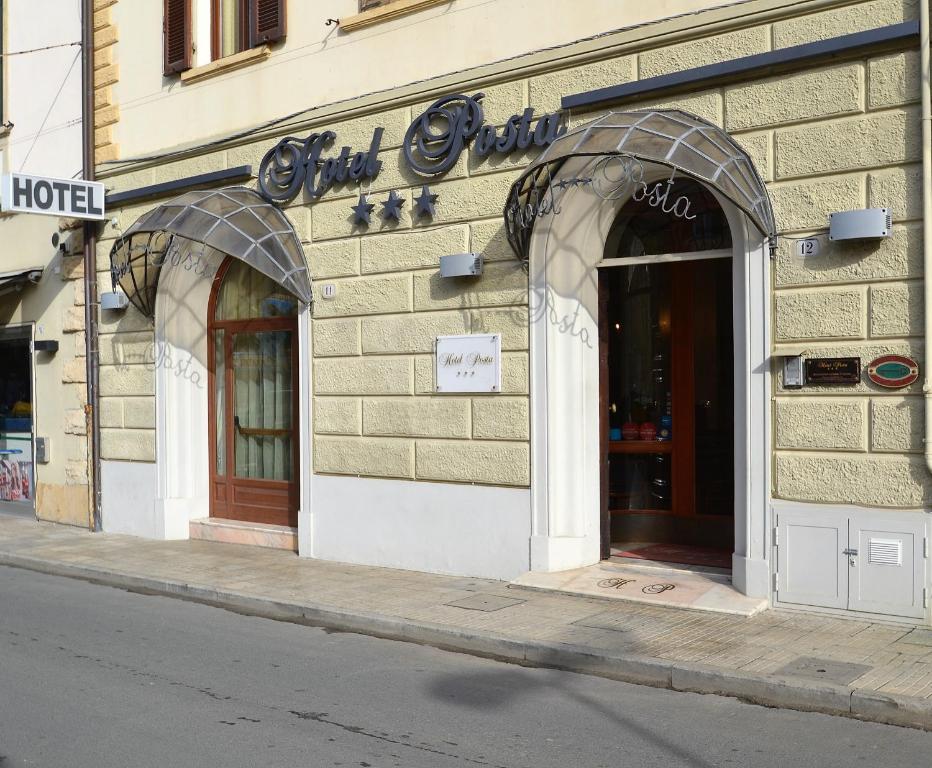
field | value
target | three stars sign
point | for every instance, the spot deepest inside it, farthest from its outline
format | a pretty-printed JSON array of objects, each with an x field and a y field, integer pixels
[{"x": 424, "y": 205}]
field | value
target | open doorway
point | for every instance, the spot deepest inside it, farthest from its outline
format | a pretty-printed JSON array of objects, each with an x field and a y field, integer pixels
[
  {"x": 17, "y": 482},
  {"x": 667, "y": 385}
]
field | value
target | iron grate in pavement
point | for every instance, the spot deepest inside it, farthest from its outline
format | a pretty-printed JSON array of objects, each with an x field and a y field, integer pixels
[
  {"x": 839, "y": 672},
  {"x": 488, "y": 603}
]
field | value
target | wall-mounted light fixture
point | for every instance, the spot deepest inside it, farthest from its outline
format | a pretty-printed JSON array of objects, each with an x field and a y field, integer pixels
[
  {"x": 114, "y": 301},
  {"x": 461, "y": 265},
  {"x": 863, "y": 224}
]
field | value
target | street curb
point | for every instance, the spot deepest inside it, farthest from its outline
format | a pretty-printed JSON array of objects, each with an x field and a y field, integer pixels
[
  {"x": 892, "y": 709},
  {"x": 767, "y": 690}
]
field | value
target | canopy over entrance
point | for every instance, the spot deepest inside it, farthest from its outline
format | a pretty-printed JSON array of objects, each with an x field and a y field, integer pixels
[
  {"x": 679, "y": 140},
  {"x": 235, "y": 221},
  {"x": 17, "y": 280}
]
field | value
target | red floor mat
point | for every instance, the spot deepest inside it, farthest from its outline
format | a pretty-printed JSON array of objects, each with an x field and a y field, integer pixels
[{"x": 676, "y": 553}]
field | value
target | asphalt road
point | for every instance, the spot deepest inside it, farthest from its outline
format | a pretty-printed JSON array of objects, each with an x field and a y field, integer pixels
[{"x": 93, "y": 677}]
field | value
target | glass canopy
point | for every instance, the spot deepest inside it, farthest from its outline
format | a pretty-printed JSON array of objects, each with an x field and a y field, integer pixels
[
  {"x": 676, "y": 139},
  {"x": 235, "y": 221}
]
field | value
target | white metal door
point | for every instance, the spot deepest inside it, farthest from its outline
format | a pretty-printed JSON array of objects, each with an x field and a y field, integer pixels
[
  {"x": 886, "y": 565},
  {"x": 811, "y": 569}
]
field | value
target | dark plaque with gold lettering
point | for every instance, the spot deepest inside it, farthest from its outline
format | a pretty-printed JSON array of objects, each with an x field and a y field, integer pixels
[{"x": 833, "y": 370}]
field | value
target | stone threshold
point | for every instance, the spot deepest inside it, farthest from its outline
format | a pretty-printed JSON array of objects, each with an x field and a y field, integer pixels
[
  {"x": 649, "y": 582},
  {"x": 241, "y": 532}
]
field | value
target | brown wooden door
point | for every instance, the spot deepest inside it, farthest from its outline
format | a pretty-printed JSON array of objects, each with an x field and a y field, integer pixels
[{"x": 254, "y": 460}]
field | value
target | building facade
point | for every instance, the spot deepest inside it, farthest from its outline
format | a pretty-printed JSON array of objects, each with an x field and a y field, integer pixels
[
  {"x": 650, "y": 329},
  {"x": 43, "y": 391}
]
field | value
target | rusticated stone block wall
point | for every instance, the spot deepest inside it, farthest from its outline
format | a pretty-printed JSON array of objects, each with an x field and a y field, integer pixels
[{"x": 833, "y": 137}]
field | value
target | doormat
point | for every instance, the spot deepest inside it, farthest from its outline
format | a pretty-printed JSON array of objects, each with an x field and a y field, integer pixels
[{"x": 678, "y": 553}]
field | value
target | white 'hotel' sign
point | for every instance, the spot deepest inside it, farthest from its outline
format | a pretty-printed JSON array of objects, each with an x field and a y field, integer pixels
[
  {"x": 469, "y": 363},
  {"x": 52, "y": 197}
]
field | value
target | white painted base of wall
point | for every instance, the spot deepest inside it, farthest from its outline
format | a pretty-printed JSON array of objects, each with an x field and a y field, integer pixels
[
  {"x": 130, "y": 503},
  {"x": 750, "y": 577},
  {"x": 174, "y": 516},
  {"x": 563, "y": 553},
  {"x": 127, "y": 498},
  {"x": 462, "y": 530}
]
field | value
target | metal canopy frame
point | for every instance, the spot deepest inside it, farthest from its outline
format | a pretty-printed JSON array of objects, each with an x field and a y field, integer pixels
[
  {"x": 235, "y": 221},
  {"x": 19, "y": 278},
  {"x": 674, "y": 138}
]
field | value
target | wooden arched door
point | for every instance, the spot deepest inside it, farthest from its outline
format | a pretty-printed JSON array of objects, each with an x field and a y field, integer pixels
[{"x": 253, "y": 413}]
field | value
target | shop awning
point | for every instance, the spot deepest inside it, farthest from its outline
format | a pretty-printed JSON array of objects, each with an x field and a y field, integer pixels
[
  {"x": 679, "y": 140},
  {"x": 18, "y": 279},
  {"x": 235, "y": 221}
]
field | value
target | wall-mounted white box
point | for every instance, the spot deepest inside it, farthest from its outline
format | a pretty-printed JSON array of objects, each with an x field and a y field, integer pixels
[{"x": 864, "y": 224}]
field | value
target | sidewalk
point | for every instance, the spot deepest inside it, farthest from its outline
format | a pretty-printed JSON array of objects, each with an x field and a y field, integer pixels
[{"x": 873, "y": 671}]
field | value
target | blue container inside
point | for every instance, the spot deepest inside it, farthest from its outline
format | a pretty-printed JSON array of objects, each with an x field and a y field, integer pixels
[{"x": 18, "y": 424}]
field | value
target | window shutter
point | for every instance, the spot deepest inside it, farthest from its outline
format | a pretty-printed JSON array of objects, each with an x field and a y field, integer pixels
[
  {"x": 266, "y": 21},
  {"x": 176, "y": 36}
]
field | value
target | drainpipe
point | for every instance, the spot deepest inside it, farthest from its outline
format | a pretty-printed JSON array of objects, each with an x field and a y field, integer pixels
[{"x": 92, "y": 410}]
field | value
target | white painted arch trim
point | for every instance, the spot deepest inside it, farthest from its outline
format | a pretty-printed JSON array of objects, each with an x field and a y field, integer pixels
[{"x": 565, "y": 252}]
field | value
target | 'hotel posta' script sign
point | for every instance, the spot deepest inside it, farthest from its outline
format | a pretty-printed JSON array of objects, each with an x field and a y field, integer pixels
[
  {"x": 469, "y": 363},
  {"x": 432, "y": 145}
]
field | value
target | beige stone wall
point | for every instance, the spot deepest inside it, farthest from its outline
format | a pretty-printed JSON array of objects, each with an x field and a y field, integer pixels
[
  {"x": 834, "y": 137},
  {"x": 56, "y": 309},
  {"x": 858, "y": 444},
  {"x": 106, "y": 74}
]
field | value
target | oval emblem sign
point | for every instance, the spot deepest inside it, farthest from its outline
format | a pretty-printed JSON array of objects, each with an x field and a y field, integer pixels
[{"x": 893, "y": 371}]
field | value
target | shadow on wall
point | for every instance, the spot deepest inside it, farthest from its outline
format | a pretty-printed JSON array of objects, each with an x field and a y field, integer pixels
[
  {"x": 132, "y": 339},
  {"x": 502, "y": 297}
]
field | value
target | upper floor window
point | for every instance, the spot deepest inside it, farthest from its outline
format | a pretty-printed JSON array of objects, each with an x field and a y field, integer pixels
[
  {"x": 234, "y": 26},
  {"x": 227, "y": 27}
]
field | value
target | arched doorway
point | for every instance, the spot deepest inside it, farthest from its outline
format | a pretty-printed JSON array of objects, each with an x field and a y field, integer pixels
[
  {"x": 560, "y": 218},
  {"x": 253, "y": 405},
  {"x": 666, "y": 345},
  {"x": 168, "y": 263}
]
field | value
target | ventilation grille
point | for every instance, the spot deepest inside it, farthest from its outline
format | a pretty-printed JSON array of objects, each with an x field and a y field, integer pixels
[
  {"x": 889, "y": 221},
  {"x": 885, "y": 552}
]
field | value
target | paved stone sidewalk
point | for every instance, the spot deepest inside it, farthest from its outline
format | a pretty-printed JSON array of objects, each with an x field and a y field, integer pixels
[{"x": 858, "y": 668}]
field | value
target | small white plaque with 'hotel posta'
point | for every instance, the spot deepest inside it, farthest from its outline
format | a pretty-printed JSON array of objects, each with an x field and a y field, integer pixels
[{"x": 470, "y": 363}]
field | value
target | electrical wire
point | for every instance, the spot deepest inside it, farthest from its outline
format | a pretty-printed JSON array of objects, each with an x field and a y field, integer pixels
[
  {"x": 49, "y": 112},
  {"x": 44, "y": 48},
  {"x": 23, "y": 138},
  {"x": 215, "y": 142}
]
